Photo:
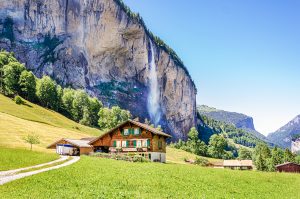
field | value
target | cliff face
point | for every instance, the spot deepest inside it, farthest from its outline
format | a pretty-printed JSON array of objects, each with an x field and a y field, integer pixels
[{"x": 96, "y": 45}]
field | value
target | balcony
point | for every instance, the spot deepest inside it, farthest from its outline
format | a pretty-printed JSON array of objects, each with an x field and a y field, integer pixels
[{"x": 128, "y": 149}]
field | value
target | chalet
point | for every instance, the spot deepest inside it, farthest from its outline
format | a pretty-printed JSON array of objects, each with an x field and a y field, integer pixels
[
  {"x": 288, "y": 167},
  {"x": 128, "y": 137},
  {"x": 238, "y": 164}
]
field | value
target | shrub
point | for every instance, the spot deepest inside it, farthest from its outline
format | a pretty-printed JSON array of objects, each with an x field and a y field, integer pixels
[
  {"x": 201, "y": 161},
  {"x": 18, "y": 100},
  {"x": 138, "y": 158}
]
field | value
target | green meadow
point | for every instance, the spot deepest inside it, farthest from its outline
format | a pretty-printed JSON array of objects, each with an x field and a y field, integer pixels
[
  {"x": 18, "y": 158},
  {"x": 105, "y": 178}
]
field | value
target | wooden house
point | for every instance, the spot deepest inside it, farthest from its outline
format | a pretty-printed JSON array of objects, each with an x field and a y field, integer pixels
[
  {"x": 128, "y": 137},
  {"x": 238, "y": 164},
  {"x": 288, "y": 167}
]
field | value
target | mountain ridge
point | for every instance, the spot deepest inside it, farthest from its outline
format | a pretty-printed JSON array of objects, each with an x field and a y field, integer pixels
[{"x": 284, "y": 135}]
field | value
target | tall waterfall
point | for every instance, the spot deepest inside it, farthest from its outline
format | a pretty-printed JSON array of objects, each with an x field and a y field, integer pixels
[{"x": 153, "y": 96}]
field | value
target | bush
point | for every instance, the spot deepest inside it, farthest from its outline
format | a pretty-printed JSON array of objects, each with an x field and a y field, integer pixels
[
  {"x": 18, "y": 100},
  {"x": 202, "y": 162},
  {"x": 138, "y": 158}
]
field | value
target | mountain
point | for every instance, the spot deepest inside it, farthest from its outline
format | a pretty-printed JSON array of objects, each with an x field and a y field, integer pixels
[
  {"x": 283, "y": 136},
  {"x": 104, "y": 48},
  {"x": 239, "y": 120}
]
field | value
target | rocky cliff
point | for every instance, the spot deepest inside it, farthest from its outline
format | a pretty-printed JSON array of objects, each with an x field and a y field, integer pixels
[{"x": 100, "y": 46}]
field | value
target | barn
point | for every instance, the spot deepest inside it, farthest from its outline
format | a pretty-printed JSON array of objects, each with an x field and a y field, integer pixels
[
  {"x": 288, "y": 167},
  {"x": 72, "y": 147}
]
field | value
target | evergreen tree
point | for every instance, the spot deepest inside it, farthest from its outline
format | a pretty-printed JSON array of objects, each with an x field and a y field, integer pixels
[{"x": 288, "y": 156}]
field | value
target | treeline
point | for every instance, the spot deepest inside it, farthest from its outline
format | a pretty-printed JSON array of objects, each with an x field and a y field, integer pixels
[
  {"x": 265, "y": 158},
  {"x": 75, "y": 104},
  {"x": 210, "y": 127},
  {"x": 217, "y": 147}
]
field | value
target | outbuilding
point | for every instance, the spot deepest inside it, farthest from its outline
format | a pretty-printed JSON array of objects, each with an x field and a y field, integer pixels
[
  {"x": 238, "y": 164},
  {"x": 72, "y": 147},
  {"x": 288, "y": 167}
]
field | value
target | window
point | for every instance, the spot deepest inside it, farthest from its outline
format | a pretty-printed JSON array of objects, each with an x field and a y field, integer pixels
[
  {"x": 118, "y": 143},
  {"x": 136, "y": 131},
  {"x": 159, "y": 144},
  {"x": 145, "y": 143},
  {"x": 139, "y": 143},
  {"x": 124, "y": 144},
  {"x": 126, "y": 132}
]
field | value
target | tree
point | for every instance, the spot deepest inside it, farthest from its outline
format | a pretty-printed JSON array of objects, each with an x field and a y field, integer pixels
[
  {"x": 27, "y": 84},
  {"x": 32, "y": 139},
  {"x": 47, "y": 93},
  {"x": 81, "y": 101},
  {"x": 261, "y": 154},
  {"x": 5, "y": 58},
  {"x": 288, "y": 156},
  {"x": 109, "y": 118},
  {"x": 245, "y": 154},
  {"x": 67, "y": 101},
  {"x": 217, "y": 145},
  {"x": 11, "y": 75},
  {"x": 86, "y": 119},
  {"x": 94, "y": 105},
  {"x": 159, "y": 128}
]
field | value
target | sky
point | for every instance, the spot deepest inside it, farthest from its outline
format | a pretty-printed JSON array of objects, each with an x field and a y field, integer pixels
[{"x": 244, "y": 56}]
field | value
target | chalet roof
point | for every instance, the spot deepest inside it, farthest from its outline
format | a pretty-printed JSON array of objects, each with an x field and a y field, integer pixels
[
  {"x": 77, "y": 143},
  {"x": 88, "y": 138},
  {"x": 287, "y": 163},
  {"x": 145, "y": 126},
  {"x": 238, "y": 163}
]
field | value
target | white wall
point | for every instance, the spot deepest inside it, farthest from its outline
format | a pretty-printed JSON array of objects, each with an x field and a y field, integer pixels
[{"x": 158, "y": 156}]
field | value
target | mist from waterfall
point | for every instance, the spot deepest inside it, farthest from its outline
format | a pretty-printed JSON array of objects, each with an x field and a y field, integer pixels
[{"x": 153, "y": 96}]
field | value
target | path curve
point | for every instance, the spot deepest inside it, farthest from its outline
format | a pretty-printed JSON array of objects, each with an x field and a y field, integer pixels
[
  {"x": 11, "y": 172},
  {"x": 13, "y": 176}
]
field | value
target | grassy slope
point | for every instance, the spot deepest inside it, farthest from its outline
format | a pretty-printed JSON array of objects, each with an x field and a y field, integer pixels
[
  {"x": 103, "y": 178},
  {"x": 16, "y": 121},
  {"x": 33, "y": 112},
  {"x": 177, "y": 156},
  {"x": 18, "y": 158}
]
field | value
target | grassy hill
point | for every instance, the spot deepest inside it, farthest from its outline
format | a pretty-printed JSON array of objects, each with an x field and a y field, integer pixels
[
  {"x": 16, "y": 121},
  {"x": 105, "y": 178}
]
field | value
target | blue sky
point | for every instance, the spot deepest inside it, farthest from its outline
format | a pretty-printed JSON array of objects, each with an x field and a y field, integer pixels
[{"x": 244, "y": 56}]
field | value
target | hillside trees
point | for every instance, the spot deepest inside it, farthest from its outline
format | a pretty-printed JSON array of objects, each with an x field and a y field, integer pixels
[
  {"x": 245, "y": 154},
  {"x": 74, "y": 104},
  {"x": 109, "y": 118}
]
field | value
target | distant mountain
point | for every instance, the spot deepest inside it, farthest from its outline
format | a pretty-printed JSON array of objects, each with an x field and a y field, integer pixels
[
  {"x": 283, "y": 136},
  {"x": 239, "y": 120}
]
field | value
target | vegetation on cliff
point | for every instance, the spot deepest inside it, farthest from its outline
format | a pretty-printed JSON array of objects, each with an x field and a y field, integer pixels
[{"x": 75, "y": 104}]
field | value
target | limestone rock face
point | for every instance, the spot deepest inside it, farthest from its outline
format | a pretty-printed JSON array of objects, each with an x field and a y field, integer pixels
[{"x": 95, "y": 45}]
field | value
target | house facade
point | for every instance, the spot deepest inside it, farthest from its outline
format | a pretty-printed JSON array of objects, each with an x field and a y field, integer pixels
[
  {"x": 288, "y": 167},
  {"x": 128, "y": 137},
  {"x": 133, "y": 137}
]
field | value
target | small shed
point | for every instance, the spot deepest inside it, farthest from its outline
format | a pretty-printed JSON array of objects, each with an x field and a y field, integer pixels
[
  {"x": 238, "y": 164},
  {"x": 288, "y": 167},
  {"x": 71, "y": 146}
]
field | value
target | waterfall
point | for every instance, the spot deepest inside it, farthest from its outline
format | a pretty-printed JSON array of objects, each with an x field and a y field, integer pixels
[{"x": 153, "y": 96}]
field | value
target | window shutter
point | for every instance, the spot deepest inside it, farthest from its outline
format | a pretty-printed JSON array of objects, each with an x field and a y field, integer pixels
[
  {"x": 127, "y": 143},
  {"x": 140, "y": 131},
  {"x": 134, "y": 143},
  {"x": 115, "y": 143},
  {"x": 122, "y": 132},
  {"x": 148, "y": 143}
]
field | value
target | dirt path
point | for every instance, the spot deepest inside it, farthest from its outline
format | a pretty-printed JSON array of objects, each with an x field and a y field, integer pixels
[{"x": 11, "y": 175}]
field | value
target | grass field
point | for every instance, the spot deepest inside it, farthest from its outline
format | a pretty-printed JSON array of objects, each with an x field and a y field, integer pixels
[
  {"x": 18, "y": 158},
  {"x": 105, "y": 178},
  {"x": 17, "y": 121},
  {"x": 177, "y": 156}
]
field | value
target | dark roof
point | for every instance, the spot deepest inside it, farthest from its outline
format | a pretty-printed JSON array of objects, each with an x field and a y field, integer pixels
[
  {"x": 287, "y": 163},
  {"x": 145, "y": 126}
]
